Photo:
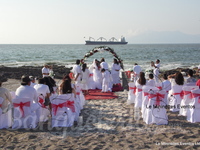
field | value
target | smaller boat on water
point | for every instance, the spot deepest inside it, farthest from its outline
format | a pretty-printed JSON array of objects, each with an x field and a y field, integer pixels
[{"x": 103, "y": 41}]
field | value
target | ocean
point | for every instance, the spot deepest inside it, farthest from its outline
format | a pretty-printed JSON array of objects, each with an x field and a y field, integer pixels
[{"x": 171, "y": 55}]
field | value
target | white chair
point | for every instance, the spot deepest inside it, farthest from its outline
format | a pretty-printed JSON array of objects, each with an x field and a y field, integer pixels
[
  {"x": 63, "y": 110},
  {"x": 194, "y": 111},
  {"x": 175, "y": 98},
  {"x": 131, "y": 93},
  {"x": 80, "y": 97},
  {"x": 43, "y": 111},
  {"x": 24, "y": 115},
  {"x": 155, "y": 111},
  {"x": 5, "y": 117},
  {"x": 139, "y": 96},
  {"x": 187, "y": 99}
]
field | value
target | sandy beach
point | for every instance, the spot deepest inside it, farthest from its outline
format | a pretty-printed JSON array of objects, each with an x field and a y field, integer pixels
[{"x": 107, "y": 124}]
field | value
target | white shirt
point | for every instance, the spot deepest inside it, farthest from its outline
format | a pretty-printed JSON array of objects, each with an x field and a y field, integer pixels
[
  {"x": 32, "y": 84},
  {"x": 77, "y": 70},
  {"x": 166, "y": 85},
  {"x": 137, "y": 69},
  {"x": 42, "y": 89},
  {"x": 151, "y": 82},
  {"x": 45, "y": 70},
  {"x": 106, "y": 76},
  {"x": 114, "y": 68},
  {"x": 25, "y": 91},
  {"x": 104, "y": 65},
  {"x": 157, "y": 66}
]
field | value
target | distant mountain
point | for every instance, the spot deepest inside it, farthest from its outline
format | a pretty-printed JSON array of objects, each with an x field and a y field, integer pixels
[{"x": 164, "y": 37}]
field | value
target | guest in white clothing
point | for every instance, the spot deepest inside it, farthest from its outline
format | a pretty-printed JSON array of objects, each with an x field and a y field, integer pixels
[
  {"x": 85, "y": 78},
  {"x": 151, "y": 81},
  {"x": 32, "y": 81},
  {"x": 45, "y": 70},
  {"x": 104, "y": 64},
  {"x": 115, "y": 68},
  {"x": 25, "y": 91},
  {"x": 166, "y": 84},
  {"x": 106, "y": 80},
  {"x": 77, "y": 71},
  {"x": 136, "y": 71},
  {"x": 42, "y": 89}
]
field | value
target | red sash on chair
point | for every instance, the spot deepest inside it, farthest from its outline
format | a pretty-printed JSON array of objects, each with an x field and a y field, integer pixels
[
  {"x": 194, "y": 95},
  {"x": 159, "y": 87},
  {"x": 21, "y": 105},
  {"x": 188, "y": 92},
  {"x": 91, "y": 74},
  {"x": 55, "y": 107},
  {"x": 181, "y": 94},
  {"x": 77, "y": 93},
  {"x": 41, "y": 101},
  {"x": 133, "y": 88},
  {"x": 139, "y": 90},
  {"x": 70, "y": 104},
  {"x": 0, "y": 105},
  {"x": 158, "y": 97}
]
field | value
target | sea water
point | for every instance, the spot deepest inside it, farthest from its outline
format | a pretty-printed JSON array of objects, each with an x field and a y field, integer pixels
[{"x": 171, "y": 55}]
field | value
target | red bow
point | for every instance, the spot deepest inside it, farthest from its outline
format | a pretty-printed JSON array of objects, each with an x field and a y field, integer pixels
[
  {"x": 90, "y": 75},
  {"x": 159, "y": 87},
  {"x": 146, "y": 94},
  {"x": 0, "y": 105},
  {"x": 41, "y": 101},
  {"x": 139, "y": 90},
  {"x": 70, "y": 104},
  {"x": 21, "y": 105},
  {"x": 133, "y": 88},
  {"x": 188, "y": 92},
  {"x": 77, "y": 93},
  {"x": 181, "y": 94},
  {"x": 55, "y": 107},
  {"x": 196, "y": 95},
  {"x": 158, "y": 97}
]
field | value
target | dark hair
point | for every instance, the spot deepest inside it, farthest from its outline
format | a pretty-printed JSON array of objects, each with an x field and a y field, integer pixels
[
  {"x": 179, "y": 78},
  {"x": 115, "y": 61},
  {"x": 78, "y": 61},
  {"x": 102, "y": 70},
  {"x": 84, "y": 66},
  {"x": 190, "y": 73},
  {"x": 135, "y": 64},
  {"x": 142, "y": 80},
  {"x": 151, "y": 76},
  {"x": 102, "y": 59},
  {"x": 41, "y": 81},
  {"x": 165, "y": 76},
  {"x": 158, "y": 60},
  {"x": 50, "y": 82},
  {"x": 66, "y": 87},
  {"x": 67, "y": 77}
]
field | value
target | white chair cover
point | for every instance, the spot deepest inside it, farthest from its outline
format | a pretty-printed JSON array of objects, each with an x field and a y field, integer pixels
[
  {"x": 79, "y": 96},
  {"x": 131, "y": 93},
  {"x": 5, "y": 117},
  {"x": 43, "y": 111},
  {"x": 24, "y": 115},
  {"x": 139, "y": 97},
  {"x": 194, "y": 111},
  {"x": 63, "y": 110},
  {"x": 187, "y": 99},
  {"x": 175, "y": 98},
  {"x": 155, "y": 110}
]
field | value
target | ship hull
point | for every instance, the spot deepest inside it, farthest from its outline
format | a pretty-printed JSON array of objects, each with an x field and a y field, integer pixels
[{"x": 104, "y": 43}]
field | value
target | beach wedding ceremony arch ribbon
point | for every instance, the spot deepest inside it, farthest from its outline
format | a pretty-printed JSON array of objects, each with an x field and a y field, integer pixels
[{"x": 104, "y": 49}]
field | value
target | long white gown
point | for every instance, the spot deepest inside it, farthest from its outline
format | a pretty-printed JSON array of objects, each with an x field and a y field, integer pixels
[{"x": 115, "y": 73}]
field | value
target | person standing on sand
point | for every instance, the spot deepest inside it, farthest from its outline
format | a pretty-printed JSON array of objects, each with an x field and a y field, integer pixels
[
  {"x": 77, "y": 71},
  {"x": 103, "y": 64},
  {"x": 136, "y": 71},
  {"x": 115, "y": 68},
  {"x": 45, "y": 71},
  {"x": 156, "y": 70},
  {"x": 5, "y": 94},
  {"x": 25, "y": 91}
]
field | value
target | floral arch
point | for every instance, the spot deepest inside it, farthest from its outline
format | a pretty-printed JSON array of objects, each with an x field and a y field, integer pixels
[{"x": 102, "y": 49}]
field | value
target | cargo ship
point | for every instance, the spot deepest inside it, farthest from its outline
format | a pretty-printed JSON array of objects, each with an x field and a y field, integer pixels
[{"x": 103, "y": 41}]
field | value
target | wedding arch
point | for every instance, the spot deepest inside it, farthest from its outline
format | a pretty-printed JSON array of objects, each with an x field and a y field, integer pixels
[{"x": 103, "y": 49}]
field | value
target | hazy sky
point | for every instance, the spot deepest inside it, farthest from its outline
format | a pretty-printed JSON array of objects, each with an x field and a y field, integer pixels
[{"x": 69, "y": 21}]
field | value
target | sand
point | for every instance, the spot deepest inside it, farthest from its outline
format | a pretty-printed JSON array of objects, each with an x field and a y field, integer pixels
[{"x": 107, "y": 124}]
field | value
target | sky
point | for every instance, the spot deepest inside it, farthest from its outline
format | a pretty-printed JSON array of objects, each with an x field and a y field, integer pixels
[{"x": 74, "y": 21}]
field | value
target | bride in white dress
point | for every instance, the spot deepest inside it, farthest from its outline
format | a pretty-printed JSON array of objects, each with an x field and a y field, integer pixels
[{"x": 97, "y": 75}]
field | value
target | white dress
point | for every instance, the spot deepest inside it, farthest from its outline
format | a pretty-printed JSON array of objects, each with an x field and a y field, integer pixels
[
  {"x": 85, "y": 79},
  {"x": 115, "y": 73},
  {"x": 131, "y": 93}
]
